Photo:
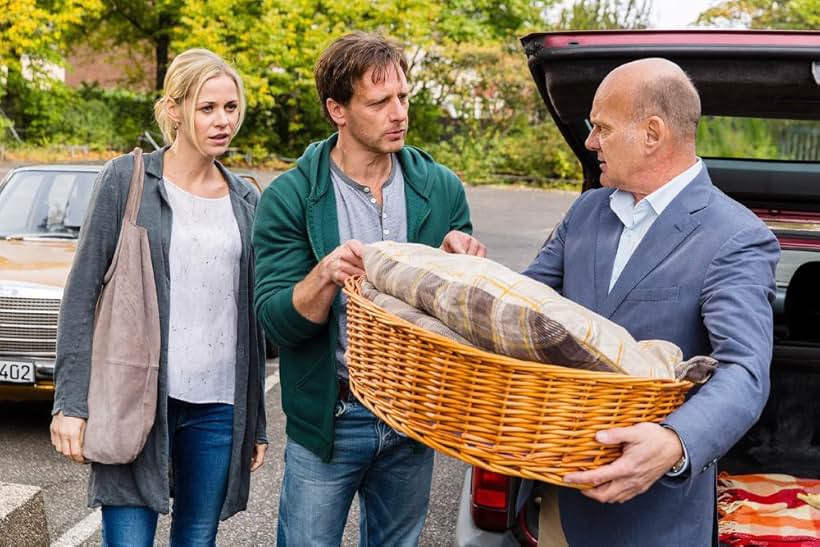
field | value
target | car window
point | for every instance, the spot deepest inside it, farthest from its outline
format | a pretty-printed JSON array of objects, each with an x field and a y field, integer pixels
[
  {"x": 758, "y": 138},
  {"x": 58, "y": 198},
  {"x": 42, "y": 202},
  {"x": 16, "y": 200}
]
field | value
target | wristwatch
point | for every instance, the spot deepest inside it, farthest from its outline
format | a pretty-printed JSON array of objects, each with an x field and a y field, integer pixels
[
  {"x": 681, "y": 465},
  {"x": 678, "y": 468}
]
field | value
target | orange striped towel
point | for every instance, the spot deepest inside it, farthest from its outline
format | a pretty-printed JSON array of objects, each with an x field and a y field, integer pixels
[{"x": 768, "y": 510}]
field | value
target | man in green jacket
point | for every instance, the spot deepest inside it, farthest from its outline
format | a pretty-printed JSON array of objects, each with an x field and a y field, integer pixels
[{"x": 359, "y": 186}]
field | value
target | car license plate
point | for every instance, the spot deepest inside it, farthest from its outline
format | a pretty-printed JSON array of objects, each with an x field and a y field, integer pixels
[{"x": 16, "y": 372}]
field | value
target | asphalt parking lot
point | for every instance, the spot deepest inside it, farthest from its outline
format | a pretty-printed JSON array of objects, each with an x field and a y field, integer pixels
[{"x": 511, "y": 222}]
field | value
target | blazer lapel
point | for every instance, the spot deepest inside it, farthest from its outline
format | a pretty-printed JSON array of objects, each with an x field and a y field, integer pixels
[
  {"x": 606, "y": 245},
  {"x": 670, "y": 229}
]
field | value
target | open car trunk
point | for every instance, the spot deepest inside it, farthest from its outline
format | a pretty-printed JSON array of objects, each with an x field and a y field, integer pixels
[{"x": 740, "y": 75}]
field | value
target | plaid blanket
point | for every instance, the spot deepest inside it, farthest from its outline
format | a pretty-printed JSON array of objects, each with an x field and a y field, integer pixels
[
  {"x": 768, "y": 510},
  {"x": 510, "y": 314}
]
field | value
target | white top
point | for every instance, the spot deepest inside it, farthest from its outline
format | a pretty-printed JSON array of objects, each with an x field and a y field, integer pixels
[
  {"x": 637, "y": 218},
  {"x": 204, "y": 263}
]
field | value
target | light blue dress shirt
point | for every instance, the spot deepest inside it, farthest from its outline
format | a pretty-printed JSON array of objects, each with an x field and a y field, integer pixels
[{"x": 637, "y": 218}]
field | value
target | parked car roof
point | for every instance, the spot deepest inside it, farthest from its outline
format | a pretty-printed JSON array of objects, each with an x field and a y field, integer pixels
[{"x": 81, "y": 167}]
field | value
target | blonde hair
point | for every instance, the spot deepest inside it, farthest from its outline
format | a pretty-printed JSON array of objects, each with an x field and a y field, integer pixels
[{"x": 184, "y": 79}]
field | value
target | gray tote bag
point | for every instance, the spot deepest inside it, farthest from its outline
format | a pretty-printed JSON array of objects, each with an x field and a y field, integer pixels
[{"x": 122, "y": 392}]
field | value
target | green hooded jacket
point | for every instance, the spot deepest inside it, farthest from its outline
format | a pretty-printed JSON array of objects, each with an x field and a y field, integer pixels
[{"x": 295, "y": 226}]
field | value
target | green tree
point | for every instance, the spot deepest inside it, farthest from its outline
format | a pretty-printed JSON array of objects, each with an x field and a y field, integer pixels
[
  {"x": 605, "y": 14},
  {"x": 35, "y": 36},
  {"x": 39, "y": 30},
  {"x": 788, "y": 14},
  {"x": 723, "y": 137},
  {"x": 514, "y": 137},
  {"x": 141, "y": 26},
  {"x": 275, "y": 44},
  {"x": 473, "y": 100}
]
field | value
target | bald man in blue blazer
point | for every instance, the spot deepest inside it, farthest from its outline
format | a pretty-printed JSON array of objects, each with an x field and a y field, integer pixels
[{"x": 662, "y": 252}]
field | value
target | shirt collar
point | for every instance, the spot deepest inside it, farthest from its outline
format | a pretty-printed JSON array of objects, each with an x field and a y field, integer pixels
[{"x": 660, "y": 198}]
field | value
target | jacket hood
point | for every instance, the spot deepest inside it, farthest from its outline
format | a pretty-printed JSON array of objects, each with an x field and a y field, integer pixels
[{"x": 314, "y": 166}]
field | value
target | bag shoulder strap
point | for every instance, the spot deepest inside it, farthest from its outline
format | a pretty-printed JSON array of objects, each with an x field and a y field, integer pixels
[{"x": 132, "y": 207}]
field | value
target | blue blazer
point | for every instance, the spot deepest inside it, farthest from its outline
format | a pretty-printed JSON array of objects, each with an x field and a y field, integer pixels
[{"x": 703, "y": 278}]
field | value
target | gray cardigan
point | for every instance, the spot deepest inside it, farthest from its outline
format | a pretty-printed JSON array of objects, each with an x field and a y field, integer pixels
[{"x": 145, "y": 482}]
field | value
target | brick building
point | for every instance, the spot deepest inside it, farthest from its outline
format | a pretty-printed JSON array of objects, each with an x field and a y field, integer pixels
[{"x": 117, "y": 67}]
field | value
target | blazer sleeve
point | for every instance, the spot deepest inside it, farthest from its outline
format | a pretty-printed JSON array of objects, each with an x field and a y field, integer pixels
[
  {"x": 95, "y": 249},
  {"x": 738, "y": 290}
]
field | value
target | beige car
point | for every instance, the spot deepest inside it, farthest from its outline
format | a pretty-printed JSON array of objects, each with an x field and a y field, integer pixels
[{"x": 41, "y": 209}]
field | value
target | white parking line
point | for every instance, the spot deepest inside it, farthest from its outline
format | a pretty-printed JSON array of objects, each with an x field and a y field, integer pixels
[
  {"x": 90, "y": 524},
  {"x": 81, "y": 531},
  {"x": 271, "y": 381}
]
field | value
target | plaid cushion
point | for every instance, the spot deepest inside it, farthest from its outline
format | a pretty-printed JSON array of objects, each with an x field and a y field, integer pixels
[
  {"x": 402, "y": 309},
  {"x": 510, "y": 314}
]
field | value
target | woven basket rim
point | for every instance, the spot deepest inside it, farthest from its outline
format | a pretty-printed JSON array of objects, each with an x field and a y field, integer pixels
[{"x": 353, "y": 287}]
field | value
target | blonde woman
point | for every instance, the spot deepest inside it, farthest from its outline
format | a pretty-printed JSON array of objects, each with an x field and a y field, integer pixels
[{"x": 209, "y": 430}]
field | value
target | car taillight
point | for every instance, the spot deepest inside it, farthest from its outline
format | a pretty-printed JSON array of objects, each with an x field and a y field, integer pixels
[{"x": 491, "y": 505}]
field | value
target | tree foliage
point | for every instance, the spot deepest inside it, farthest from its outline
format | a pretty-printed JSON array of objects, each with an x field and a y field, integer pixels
[
  {"x": 34, "y": 36},
  {"x": 514, "y": 137},
  {"x": 473, "y": 100},
  {"x": 39, "y": 30},
  {"x": 274, "y": 44},
  {"x": 141, "y": 26},
  {"x": 788, "y": 14},
  {"x": 605, "y": 14},
  {"x": 725, "y": 137}
]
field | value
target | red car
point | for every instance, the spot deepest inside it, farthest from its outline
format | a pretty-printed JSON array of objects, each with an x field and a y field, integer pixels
[{"x": 760, "y": 138}]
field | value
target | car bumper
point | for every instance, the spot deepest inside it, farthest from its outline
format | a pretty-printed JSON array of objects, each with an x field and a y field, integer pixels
[{"x": 41, "y": 391}]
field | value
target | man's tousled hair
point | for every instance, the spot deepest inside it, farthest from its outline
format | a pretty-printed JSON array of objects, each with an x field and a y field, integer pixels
[{"x": 346, "y": 61}]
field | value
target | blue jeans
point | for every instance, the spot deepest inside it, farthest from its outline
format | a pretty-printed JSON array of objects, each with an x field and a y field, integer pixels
[
  {"x": 391, "y": 473},
  {"x": 200, "y": 440}
]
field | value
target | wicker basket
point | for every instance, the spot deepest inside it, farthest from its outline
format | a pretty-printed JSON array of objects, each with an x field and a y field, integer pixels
[{"x": 514, "y": 417}]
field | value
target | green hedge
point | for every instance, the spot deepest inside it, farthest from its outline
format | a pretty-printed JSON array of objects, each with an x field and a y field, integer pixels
[
  {"x": 51, "y": 113},
  {"x": 511, "y": 150},
  {"x": 528, "y": 153}
]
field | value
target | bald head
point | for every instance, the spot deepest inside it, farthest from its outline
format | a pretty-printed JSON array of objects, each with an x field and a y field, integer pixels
[
  {"x": 658, "y": 87},
  {"x": 644, "y": 120}
]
